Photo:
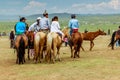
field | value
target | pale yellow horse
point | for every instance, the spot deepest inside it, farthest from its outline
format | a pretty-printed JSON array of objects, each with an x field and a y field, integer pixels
[
  {"x": 39, "y": 44},
  {"x": 53, "y": 46}
]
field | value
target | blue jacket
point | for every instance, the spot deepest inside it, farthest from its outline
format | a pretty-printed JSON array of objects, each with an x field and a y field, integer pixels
[
  {"x": 20, "y": 28},
  {"x": 73, "y": 24}
]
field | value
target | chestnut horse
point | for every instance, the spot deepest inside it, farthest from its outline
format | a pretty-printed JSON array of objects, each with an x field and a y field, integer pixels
[
  {"x": 39, "y": 44},
  {"x": 74, "y": 41},
  {"x": 115, "y": 37},
  {"x": 21, "y": 43},
  {"x": 30, "y": 35},
  {"x": 54, "y": 42},
  {"x": 90, "y": 36}
]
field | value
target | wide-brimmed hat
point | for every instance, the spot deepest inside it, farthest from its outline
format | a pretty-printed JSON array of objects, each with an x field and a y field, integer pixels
[
  {"x": 45, "y": 13},
  {"x": 39, "y": 18}
]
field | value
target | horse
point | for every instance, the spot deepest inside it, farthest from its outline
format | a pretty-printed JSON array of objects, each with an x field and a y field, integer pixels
[
  {"x": 90, "y": 36},
  {"x": 30, "y": 35},
  {"x": 115, "y": 37},
  {"x": 39, "y": 44},
  {"x": 74, "y": 41},
  {"x": 54, "y": 42},
  {"x": 21, "y": 43}
]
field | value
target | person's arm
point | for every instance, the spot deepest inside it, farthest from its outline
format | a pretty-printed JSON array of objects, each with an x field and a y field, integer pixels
[{"x": 31, "y": 28}]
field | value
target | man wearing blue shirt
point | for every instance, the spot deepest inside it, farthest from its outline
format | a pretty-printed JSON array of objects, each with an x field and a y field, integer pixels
[
  {"x": 20, "y": 29},
  {"x": 73, "y": 24},
  {"x": 45, "y": 23}
]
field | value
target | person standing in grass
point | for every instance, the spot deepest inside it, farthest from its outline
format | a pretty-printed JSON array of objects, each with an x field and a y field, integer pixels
[
  {"x": 12, "y": 36},
  {"x": 73, "y": 24}
]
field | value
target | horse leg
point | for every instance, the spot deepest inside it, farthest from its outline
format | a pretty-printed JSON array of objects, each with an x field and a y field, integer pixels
[
  {"x": 78, "y": 49},
  {"x": 28, "y": 53},
  {"x": 41, "y": 54},
  {"x": 72, "y": 49},
  {"x": 58, "y": 53},
  {"x": 53, "y": 57},
  {"x": 17, "y": 56},
  {"x": 91, "y": 45},
  {"x": 113, "y": 44},
  {"x": 82, "y": 48}
]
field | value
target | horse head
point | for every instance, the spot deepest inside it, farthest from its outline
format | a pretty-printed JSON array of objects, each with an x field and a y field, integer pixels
[
  {"x": 101, "y": 32},
  {"x": 30, "y": 35},
  {"x": 66, "y": 31}
]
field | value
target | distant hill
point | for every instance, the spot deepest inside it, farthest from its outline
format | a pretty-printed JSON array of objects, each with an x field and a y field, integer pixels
[
  {"x": 67, "y": 15},
  {"x": 60, "y": 15}
]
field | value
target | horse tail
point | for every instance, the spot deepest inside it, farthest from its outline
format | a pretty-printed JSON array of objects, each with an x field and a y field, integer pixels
[
  {"x": 37, "y": 45},
  {"x": 80, "y": 40},
  {"x": 21, "y": 51},
  {"x": 49, "y": 45},
  {"x": 112, "y": 39}
]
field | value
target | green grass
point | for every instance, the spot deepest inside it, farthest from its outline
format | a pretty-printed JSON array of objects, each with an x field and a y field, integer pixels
[{"x": 100, "y": 64}]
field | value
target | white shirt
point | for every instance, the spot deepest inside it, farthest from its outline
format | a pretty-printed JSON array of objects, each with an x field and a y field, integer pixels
[
  {"x": 55, "y": 27},
  {"x": 34, "y": 27}
]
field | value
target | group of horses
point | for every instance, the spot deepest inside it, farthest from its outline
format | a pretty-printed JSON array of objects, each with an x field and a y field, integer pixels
[{"x": 47, "y": 46}]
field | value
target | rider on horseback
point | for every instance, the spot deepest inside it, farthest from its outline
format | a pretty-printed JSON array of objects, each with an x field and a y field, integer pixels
[
  {"x": 55, "y": 27},
  {"x": 20, "y": 29},
  {"x": 35, "y": 27},
  {"x": 73, "y": 24},
  {"x": 45, "y": 23}
]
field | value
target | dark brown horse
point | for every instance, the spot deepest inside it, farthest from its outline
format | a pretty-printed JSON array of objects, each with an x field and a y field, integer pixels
[
  {"x": 21, "y": 43},
  {"x": 74, "y": 41},
  {"x": 90, "y": 36},
  {"x": 115, "y": 37}
]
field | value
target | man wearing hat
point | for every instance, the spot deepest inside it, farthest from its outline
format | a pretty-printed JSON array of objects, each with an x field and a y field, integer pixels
[
  {"x": 20, "y": 29},
  {"x": 45, "y": 23},
  {"x": 35, "y": 26},
  {"x": 73, "y": 24}
]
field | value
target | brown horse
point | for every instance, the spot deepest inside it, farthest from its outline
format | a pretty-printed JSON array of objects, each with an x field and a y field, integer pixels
[
  {"x": 90, "y": 36},
  {"x": 115, "y": 37},
  {"x": 21, "y": 43},
  {"x": 74, "y": 41},
  {"x": 39, "y": 44},
  {"x": 30, "y": 35},
  {"x": 53, "y": 44}
]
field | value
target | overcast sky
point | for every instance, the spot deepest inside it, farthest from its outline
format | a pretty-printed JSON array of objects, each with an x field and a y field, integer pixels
[{"x": 28, "y": 7}]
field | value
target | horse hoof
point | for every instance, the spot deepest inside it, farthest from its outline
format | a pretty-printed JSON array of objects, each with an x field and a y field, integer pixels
[{"x": 71, "y": 56}]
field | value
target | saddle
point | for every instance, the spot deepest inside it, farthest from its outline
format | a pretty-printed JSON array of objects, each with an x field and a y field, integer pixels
[
  {"x": 75, "y": 30},
  {"x": 59, "y": 34}
]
